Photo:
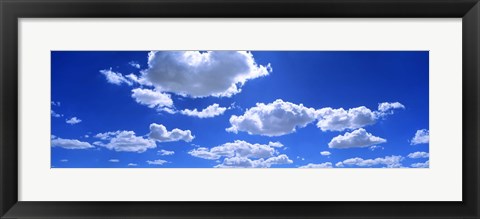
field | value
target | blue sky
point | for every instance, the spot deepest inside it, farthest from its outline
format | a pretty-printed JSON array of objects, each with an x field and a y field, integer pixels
[{"x": 259, "y": 109}]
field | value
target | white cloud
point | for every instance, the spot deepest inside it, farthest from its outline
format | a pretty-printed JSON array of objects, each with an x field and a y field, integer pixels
[
  {"x": 418, "y": 154},
  {"x": 275, "y": 144},
  {"x": 54, "y": 114},
  {"x": 201, "y": 74},
  {"x": 325, "y": 153},
  {"x": 152, "y": 98},
  {"x": 387, "y": 108},
  {"x": 115, "y": 77},
  {"x": 160, "y": 133},
  {"x": 114, "y": 160},
  {"x": 421, "y": 137},
  {"x": 132, "y": 164},
  {"x": 63, "y": 160},
  {"x": 134, "y": 64},
  {"x": 426, "y": 164},
  {"x": 388, "y": 161},
  {"x": 125, "y": 141},
  {"x": 209, "y": 112},
  {"x": 70, "y": 143},
  {"x": 55, "y": 103},
  {"x": 321, "y": 165},
  {"x": 157, "y": 162},
  {"x": 340, "y": 119},
  {"x": 166, "y": 153},
  {"x": 243, "y": 154},
  {"x": 73, "y": 121},
  {"x": 356, "y": 139},
  {"x": 243, "y": 162},
  {"x": 273, "y": 119}
]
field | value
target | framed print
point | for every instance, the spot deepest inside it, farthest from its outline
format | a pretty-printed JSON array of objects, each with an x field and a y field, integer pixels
[{"x": 165, "y": 109}]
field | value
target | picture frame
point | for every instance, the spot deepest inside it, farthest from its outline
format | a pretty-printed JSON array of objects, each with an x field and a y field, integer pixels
[{"x": 12, "y": 10}]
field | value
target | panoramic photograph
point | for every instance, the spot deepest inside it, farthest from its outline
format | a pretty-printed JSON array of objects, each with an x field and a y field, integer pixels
[{"x": 239, "y": 109}]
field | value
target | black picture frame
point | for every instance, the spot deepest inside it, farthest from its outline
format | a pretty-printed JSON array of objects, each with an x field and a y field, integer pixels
[{"x": 12, "y": 10}]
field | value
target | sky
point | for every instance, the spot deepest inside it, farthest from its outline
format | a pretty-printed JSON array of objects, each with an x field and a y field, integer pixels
[{"x": 240, "y": 109}]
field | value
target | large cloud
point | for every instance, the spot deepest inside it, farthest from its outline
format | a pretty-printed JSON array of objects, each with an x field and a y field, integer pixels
[
  {"x": 209, "y": 112},
  {"x": 201, "y": 74},
  {"x": 243, "y": 154},
  {"x": 152, "y": 98},
  {"x": 160, "y": 133},
  {"x": 321, "y": 165},
  {"x": 421, "y": 137},
  {"x": 125, "y": 141},
  {"x": 356, "y": 139},
  {"x": 70, "y": 143},
  {"x": 388, "y": 161},
  {"x": 273, "y": 119}
]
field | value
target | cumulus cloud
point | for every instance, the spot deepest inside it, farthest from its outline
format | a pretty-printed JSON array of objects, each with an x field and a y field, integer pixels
[
  {"x": 114, "y": 160},
  {"x": 418, "y": 154},
  {"x": 125, "y": 141},
  {"x": 325, "y": 153},
  {"x": 356, "y": 139},
  {"x": 165, "y": 152},
  {"x": 134, "y": 64},
  {"x": 321, "y": 165},
  {"x": 70, "y": 143},
  {"x": 387, "y": 108},
  {"x": 243, "y": 154},
  {"x": 209, "y": 112},
  {"x": 388, "y": 161},
  {"x": 152, "y": 98},
  {"x": 54, "y": 114},
  {"x": 339, "y": 119},
  {"x": 421, "y": 137},
  {"x": 115, "y": 77},
  {"x": 426, "y": 164},
  {"x": 202, "y": 74},
  {"x": 273, "y": 119},
  {"x": 73, "y": 121},
  {"x": 156, "y": 162},
  {"x": 160, "y": 133}
]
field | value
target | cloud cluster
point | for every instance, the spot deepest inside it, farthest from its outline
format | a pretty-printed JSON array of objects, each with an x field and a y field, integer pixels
[
  {"x": 125, "y": 141},
  {"x": 243, "y": 154},
  {"x": 388, "y": 161},
  {"x": 418, "y": 154},
  {"x": 70, "y": 143},
  {"x": 134, "y": 64},
  {"x": 54, "y": 114},
  {"x": 73, "y": 121},
  {"x": 209, "y": 112},
  {"x": 152, "y": 98},
  {"x": 280, "y": 118},
  {"x": 356, "y": 139},
  {"x": 321, "y": 165},
  {"x": 273, "y": 119},
  {"x": 421, "y": 137},
  {"x": 115, "y": 77},
  {"x": 160, "y": 133},
  {"x": 201, "y": 74}
]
